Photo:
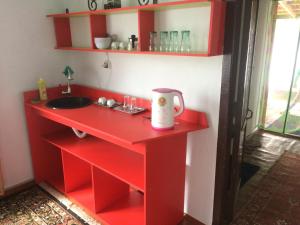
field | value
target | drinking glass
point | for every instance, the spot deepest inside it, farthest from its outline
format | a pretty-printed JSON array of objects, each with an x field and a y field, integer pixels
[
  {"x": 185, "y": 41},
  {"x": 126, "y": 102},
  {"x": 163, "y": 41},
  {"x": 132, "y": 103},
  {"x": 153, "y": 41},
  {"x": 174, "y": 43}
]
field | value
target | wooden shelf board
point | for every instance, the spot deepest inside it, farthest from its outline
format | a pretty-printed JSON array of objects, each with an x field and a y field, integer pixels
[
  {"x": 97, "y": 50},
  {"x": 84, "y": 196},
  {"x": 121, "y": 163},
  {"x": 132, "y": 9},
  {"x": 203, "y": 54},
  {"x": 194, "y": 54},
  {"x": 175, "y": 5},
  {"x": 126, "y": 211}
]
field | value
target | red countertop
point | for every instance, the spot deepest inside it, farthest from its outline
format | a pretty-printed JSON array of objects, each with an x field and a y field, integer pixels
[{"x": 109, "y": 124}]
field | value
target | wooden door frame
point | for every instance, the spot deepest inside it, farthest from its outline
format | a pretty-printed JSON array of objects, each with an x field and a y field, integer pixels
[
  {"x": 234, "y": 60},
  {"x": 1, "y": 182}
]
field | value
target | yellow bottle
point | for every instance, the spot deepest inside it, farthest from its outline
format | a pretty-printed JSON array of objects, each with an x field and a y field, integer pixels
[{"x": 42, "y": 89}]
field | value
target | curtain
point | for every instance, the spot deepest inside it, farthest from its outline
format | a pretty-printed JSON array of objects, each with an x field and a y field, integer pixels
[{"x": 271, "y": 14}]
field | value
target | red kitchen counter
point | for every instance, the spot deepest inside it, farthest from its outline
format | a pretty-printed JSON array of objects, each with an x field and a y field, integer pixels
[
  {"x": 112, "y": 125},
  {"x": 124, "y": 172}
]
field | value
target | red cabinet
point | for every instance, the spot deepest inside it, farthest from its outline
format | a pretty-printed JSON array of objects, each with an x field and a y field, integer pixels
[{"x": 121, "y": 176}]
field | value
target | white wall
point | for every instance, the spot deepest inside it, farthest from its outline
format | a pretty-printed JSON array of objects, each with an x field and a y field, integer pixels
[
  {"x": 26, "y": 44},
  {"x": 198, "y": 78}
]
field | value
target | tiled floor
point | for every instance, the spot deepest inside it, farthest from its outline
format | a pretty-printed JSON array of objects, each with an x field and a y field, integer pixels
[{"x": 264, "y": 150}]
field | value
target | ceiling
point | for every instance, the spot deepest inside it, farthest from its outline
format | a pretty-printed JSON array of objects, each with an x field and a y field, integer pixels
[{"x": 288, "y": 9}]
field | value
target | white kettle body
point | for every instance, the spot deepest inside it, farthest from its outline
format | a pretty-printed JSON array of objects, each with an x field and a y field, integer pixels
[{"x": 163, "y": 112}]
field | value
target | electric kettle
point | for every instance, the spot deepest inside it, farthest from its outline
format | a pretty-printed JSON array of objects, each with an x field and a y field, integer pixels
[{"x": 163, "y": 112}]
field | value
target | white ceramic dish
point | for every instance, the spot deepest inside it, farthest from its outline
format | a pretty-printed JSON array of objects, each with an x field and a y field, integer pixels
[{"x": 103, "y": 42}]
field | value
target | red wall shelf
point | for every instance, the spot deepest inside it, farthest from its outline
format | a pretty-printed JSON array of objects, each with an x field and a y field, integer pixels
[
  {"x": 146, "y": 17},
  {"x": 121, "y": 175},
  {"x": 195, "y": 54}
]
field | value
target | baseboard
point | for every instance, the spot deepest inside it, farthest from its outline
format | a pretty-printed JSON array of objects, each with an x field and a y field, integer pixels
[
  {"x": 252, "y": 132},
  {"x": 1, "y": 183},
  {"x": 18, "y": 188},
  {"x": 189, "y": 220}
]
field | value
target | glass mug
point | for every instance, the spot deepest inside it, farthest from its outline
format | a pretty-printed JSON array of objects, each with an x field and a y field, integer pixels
[
  {"x": 185, "y": 41},
  {"x": 153, "y": 42},
  {"x": 163, "y": 47},
  {"x": 174, "y": 42}
]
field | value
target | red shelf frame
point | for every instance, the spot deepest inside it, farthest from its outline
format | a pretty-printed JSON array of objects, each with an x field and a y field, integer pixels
[
  {"x": 122, "y": 163},
  {"x": 146, "y": 16}
]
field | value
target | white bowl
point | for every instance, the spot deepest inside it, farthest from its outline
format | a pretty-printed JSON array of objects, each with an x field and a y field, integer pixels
[{"x": 103, "y": 43}]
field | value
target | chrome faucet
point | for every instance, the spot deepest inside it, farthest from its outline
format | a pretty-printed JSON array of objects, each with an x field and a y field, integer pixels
[{"x": 68, "y": 72}]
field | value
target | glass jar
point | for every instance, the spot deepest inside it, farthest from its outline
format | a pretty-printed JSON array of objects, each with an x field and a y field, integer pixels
[
  {"x": 185, "y": 41},
  {"x": 153, "y": 42},
  {"x": 174, "y": 42},
  {"x": 163, "y": 47}
]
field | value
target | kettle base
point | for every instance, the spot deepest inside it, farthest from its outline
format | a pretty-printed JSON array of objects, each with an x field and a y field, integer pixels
[{"x": 163, "y": 128}]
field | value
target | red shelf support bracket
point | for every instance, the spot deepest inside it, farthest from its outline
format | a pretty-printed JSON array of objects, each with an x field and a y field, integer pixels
[
  {"x": 217, "y": 22},
  {"x": 98, "y": 27},
  {"x": 146, "y": 25},
  {"x": 63, "y": 32}
]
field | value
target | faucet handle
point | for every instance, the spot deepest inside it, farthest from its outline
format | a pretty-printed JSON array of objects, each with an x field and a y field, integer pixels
[
  {"x": 68, "y": 72},
  {"x": 70, "y": 77}
]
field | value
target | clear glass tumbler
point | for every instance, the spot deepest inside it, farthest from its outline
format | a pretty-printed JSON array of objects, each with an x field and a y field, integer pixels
[
  {"x": 174, "y": 42},
  {"x": 126, "y": 102},
  {"x": 132, "y": 104},
  {"x": 163, "y": 47},
  {"x": 153, "y": 42},
  {"x": 185, "y": 41}
]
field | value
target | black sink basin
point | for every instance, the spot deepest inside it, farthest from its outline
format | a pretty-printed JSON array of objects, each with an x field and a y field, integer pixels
[{"x": 69, "y": 103}]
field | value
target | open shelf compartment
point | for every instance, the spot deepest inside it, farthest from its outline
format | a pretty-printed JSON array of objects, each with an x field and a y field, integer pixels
[
  {"x": 52, "y": 169},
  {"x": 128, "y": 210},
  {"x": 124, "y": 164},
  {"x": 78, "y": 180},
  {"x": 116, "y": 203}
]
